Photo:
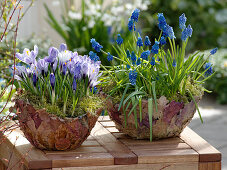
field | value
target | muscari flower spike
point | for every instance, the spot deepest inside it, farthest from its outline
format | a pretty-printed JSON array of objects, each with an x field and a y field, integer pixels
[
  {"x": 93, "y": 56},
  {"x": 209, "y": 69},
  {"x": 161, "y": 21},
  {"x": 131, "y": 25},
  {"x": 187, "y": 32},
  {"x": 182, "y": 21},
  {"x": 145, "y": 54},
  {"x": 169, "y": 31},
  {"x": 138, "y": 62},
  {"x": 213, "y": 51},
  {"x": 133, "y": 57},
  {"x": 96, "y": 45},
  {"x": 109, "y": 57},
  {"x": 139, "y": 42},
  {"x": 152, "y": 61},
  {"x": 135, "y": 15},
  {"x": 155, "y": 48},
  {"x": 128, "y": 66},
  {"x": 132, "y": 77},
  {"x": 147, "y": 41},
  {"x": 128, "y": 54},
  {"x": 119, "y": 39},
  {"x": 52, "y": 80},
  {"x": 162, "y": 40}
]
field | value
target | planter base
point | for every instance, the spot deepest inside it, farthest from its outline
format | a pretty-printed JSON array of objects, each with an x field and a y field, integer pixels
[
  {"x": 49, "y": 132},
  {"x": 168, "y": 121}
]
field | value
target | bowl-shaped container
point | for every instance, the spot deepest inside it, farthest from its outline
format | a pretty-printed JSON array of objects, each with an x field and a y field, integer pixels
[
  {"x": 168, "y": 121},
  {"x": 49, "y": 132}
]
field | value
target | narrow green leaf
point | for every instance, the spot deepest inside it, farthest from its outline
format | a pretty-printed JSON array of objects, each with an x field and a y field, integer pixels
[
  {"x": 150, "y": 112},
  {"x": 154, "y": 95},
  {"x": 196, "y": 105},
  {"x": 123, "y": 96}
]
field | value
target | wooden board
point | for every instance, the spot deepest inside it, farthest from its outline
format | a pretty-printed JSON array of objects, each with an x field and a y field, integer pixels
[{"x": 107, "y": 148}]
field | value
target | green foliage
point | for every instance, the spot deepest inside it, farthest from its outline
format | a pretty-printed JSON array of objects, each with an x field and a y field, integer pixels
[
  {"x": 207, "y": 18},
  {"x": 166, "y": 73},
  {"x": 91, "y": 19},
  {"x": 218, "y": 83},
  {"x": 86, "y": 104}
]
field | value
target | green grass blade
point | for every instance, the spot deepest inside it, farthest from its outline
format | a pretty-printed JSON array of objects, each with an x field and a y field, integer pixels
[
  {"x": 197, "y": 108},
  {"x": 154, "y": 95},
  {"x": 150, "y": 112},
  {"x": 123, "y": 96}
]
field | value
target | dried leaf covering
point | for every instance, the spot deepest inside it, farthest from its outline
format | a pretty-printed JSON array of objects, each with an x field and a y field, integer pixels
[
  {"x": 168, "y": 121},
  {"x": 49, "y": 132}
]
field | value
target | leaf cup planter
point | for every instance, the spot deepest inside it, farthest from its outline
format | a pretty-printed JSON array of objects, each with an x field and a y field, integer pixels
[
  {"x": 49, "y": 132},
  {"x": 169, "y": 121}
]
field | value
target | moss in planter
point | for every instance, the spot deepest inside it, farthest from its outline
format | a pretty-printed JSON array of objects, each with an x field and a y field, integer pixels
[
  {"x": 86, "y": 104},
  {"x": 195, "y": 89}
]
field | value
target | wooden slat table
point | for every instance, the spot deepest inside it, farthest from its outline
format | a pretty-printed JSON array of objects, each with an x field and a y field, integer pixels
[{"x": 107, "y": 149}]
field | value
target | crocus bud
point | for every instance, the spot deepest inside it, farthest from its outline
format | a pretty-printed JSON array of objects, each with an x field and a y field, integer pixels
[
  {"x": 52, "y": 80},
  {"x": 74, "y": 84},
  {"x": 34, "y": 79},
  {"x": 64, "y": 69}
]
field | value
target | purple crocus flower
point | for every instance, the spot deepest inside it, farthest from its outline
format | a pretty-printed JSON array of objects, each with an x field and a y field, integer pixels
[
  {"x": 62, "y": 47},
  {"x": 52, "y": 80},
  {"x": 64, "y": 69},
  {"x": 20, "y": 71},
  {"x": 74, "y": 84},
  {"x": 53, "y": 53},
  {"x": 34, "y": 79},
  {"x": 28, "y": 57},
  {"x": 84, "y": 69},
  {"x": 42, "y": 66},
  {"x": 77, "y": 71}
]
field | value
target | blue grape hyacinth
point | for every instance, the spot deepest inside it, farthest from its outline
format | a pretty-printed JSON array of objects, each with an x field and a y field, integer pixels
[
  {"x": 109, "y": 57},
  {"x": 152, "y": 61},
  {"x": 139, "y": 42},
  {"x": 131, "y": 24},
  {"x": 133, "y": 57},
  {"x": 128, "y": 54},
  {"x": 213, "y": 51},
  {"x": 209, "y": 69},
  {"x": 161, "y": 21},
  {"x": 187, "y": 32},
  {"x": 182, "y": 21},
  {"x": 147, "y": 41},
  {"x": 96, "y": 45},
  {"x": 145, "y": 54},
  {"x": 155, "y": 48},
  {"x": 162, "y": 40},
  {"x": 135, "y": 15},
  {"x": 132, "y": 77},
  {"x": 93, "y": 56},
  {"x": 119, "y": 39}
]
